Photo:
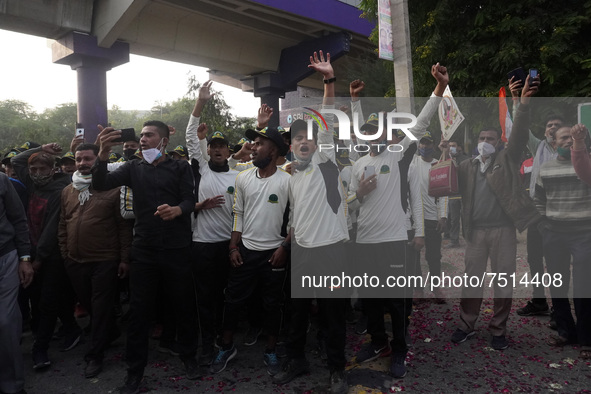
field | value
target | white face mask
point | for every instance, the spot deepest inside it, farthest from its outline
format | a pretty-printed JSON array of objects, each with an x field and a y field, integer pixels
[
  {"x": 153, "y": 154},
  {"x": 485, "y": 149},
  {"x": 453, "y": 150}
]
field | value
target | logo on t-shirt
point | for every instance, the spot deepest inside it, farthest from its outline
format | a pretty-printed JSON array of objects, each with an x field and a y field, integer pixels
[
  {"x": 345, "y": 184},
  {"x": 385, "y": 169},
  {"x": 230, "y": 190},
  {"x": 273, "y": 199}
]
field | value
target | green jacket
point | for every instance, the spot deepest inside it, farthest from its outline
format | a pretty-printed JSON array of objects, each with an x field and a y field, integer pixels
[{"x": 503, "y": 178}]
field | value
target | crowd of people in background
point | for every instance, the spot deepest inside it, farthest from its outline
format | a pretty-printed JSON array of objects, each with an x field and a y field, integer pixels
[{"x": 205, "y": 235}]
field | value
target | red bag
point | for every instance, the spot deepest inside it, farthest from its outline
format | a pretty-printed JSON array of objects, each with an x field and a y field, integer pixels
[{"x": 443, "y": 178}]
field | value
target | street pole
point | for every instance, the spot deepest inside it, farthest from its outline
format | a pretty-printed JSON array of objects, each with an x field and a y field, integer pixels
[{"x": 402, "y": 56}]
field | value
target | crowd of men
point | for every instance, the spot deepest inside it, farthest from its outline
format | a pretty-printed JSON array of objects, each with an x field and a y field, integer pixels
[{"x": 209, "y": 232}]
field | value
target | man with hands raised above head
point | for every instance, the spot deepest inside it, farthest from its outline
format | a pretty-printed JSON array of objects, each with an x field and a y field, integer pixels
[{"x": 163, "y": 201}]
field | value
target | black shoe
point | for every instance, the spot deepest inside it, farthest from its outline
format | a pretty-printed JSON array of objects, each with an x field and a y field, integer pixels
[
  {"x": 168, "y": 348},
  {"x": 93, "y": 368},
  {"x": 40, "y": 360},
  {"x": 361, "y": 326},
  {"x": 291, "y": 369},
  {"x": 338, "y": 382},
  {"x": 453, "y": 245},
  {"x": 552, "y": 324},
  {"x": 370, "y": 352},
  {"x": 398, "y": 365},
  {"x": 193, "y": 370},
  {"x": 272, "y": 362},
  {"x": 221, "y": 360},
  {"x": 531, "y": 309},
  {"x": 71, "y": 340},
  {"x": 252, "y": 335},
  {"x": 499, "y": 342},
  {"x": 460, "y": 336},
  {"x": 132, "y": 384}
]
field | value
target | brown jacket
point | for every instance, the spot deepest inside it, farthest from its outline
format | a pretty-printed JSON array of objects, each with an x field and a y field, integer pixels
[
  {"x": 503, "y": 178},
  {"x": 95, "y": 231}
]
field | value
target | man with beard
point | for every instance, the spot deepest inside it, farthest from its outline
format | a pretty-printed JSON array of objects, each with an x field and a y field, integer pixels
[
  {"x": 257, "y": 250},
  {"x": 212, "y": 232},
  {"x": 36, "y": 168},
  {"x": 319, "y": 230},
  {"x": 94, "y": 241},
  {"x": 163, "y": 202}
]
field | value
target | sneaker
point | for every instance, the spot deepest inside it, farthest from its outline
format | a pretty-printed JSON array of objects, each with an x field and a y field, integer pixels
[
  {"x": 338, "y": 382},
  {"x": 453, "y": 245},
  {"x": 132, "y": 384},
  {"x": 460, "y": 336},
  {"x": 192, "y": 369},
  {"x": 280, "y": 350},
  {"x": 398, "y": 365},
  {"x": 552, "y": 324},
  {"x": 370, "y": 352},
  {"x": 361, "y": 326},
  {"x": 93, "y": 368},
  {"x": 499, "y": 342},
  {"x": 221, "y": 359},
  {"x": 321, "y": 349},
  {"x": 40, "y": 359},
  {"x": 531, "y": 309},
  {"x": 291, "y": 369},
  {"x": 252, "y": 335},
  {"x": 272, "y": 363},
  {"x": 168, "y": 347},
  {"x": 206, "y": 357},
  {"x": 71, "y": 340}
]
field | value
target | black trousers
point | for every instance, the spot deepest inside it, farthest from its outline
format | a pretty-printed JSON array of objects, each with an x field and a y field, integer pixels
[
  {"x": 255, "y": 272},
  {"x": 535, "y": 259},
  {"x": 211, "y": 266},
  {"x": 149, "y": 267},
  {"x": 57, "y": 300}
]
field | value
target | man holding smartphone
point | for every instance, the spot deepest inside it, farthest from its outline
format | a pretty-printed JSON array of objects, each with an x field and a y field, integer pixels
[
  {"x": 382, "y": 233},
  {"x": 163, "y": 203}
]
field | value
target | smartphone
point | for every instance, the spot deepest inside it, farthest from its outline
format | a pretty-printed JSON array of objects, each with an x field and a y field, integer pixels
[
  {"x": 518, "y": 73},
  {"x": 79, "y": 132},
  {"x": 533, "y": 73},
  {"x": 126, "y": 135},
  {"x": 369, "y": 171}
]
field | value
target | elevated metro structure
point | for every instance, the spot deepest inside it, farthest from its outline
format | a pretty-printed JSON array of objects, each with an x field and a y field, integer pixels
[{"x": 259, "y": 46}]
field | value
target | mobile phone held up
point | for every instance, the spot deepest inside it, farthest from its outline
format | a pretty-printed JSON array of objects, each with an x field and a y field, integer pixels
[
  {"x": 369, "y": 171},
  {"x": 518, "y": 73},
  {"x": 126, "y": 135}
]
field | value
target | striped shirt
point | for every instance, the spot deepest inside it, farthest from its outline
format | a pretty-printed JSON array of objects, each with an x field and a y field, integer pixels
[{"x": 563, "y": 198}]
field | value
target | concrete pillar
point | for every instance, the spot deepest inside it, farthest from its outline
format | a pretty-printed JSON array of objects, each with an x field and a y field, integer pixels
[
  {"x": 402, "y": 56},
  {"x": 81, "y": 52},
  {"x": 272, "y": 100}
]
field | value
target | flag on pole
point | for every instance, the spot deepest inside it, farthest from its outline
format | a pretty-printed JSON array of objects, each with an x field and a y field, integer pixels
[{"x": 504, "y": 115}]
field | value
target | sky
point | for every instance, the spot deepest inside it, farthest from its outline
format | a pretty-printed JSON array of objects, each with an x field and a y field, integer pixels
[{"x": 27, "y": 74}]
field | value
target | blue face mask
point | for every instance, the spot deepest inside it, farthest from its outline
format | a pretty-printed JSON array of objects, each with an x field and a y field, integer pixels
[{"x": 426, "y": 152}]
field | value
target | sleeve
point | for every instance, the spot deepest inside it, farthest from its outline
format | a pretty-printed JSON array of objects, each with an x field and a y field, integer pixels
[
  {"x": 194, "y": 144},
  {"x": 124, "y": 231},
  {"x": 326, "y": 137},
  {"x": 582, "y": 164},
  {"x": 62, "y": 234},
  {"x": 442, "y": 205},
  {"x": 126, "y": 203},
  {"x": 102, "y": 179},
  {"x": 236, "y": 165},
  {"x": 238, "y": 208},
  {"x": 20, "y": 164},
  {"x": 520, "y": 133},
  {"x": 187, "y": 188},
  {"x": 416, "y": 201},
  {"x": 15, "y": 213},
  {"x": 423, "y": 120},
  {"x": 540, "y": 195},
  {"x": 355, "y": 108},
  {"x": 532, "y": 143}
]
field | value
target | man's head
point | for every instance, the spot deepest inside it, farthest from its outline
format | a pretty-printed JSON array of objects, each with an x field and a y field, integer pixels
[
  {"x": 41, "y": 168},
  {"x": 268, "y": 145},
  {"x": 488, "y": 141},
  {"x": 155, "y": 134},
  {"x": 179, "y": 153},
  {"x": 553, "y": 123},
  {"x": 302, "y": 147},
  {"x": 86, "y": 155},
  {"x": 426, "y": 147},
  {"x": 455, "y": 148},
  {"x": 67, "y": 163},
  {"x": 129, "y": 149},
  {"x": 219, "y": 148}
]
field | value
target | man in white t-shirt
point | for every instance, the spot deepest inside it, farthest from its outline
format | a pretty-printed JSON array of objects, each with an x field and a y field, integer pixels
[
  {"x": 382, "y": 234},
  {"x": 212, "y": 229},
  {"x": 257, "y": 250},
  {"x": 318, "y": 230}
]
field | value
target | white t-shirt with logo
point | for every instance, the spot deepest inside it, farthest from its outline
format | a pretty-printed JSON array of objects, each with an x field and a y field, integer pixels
[{"x": 259, "y": 206}]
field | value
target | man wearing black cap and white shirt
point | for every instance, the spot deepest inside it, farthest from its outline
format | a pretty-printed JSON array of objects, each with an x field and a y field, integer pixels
[
  {"x": 212, "y": 229},
  {"x": 382, "y": 233},
  {"x": 257, "y": 250}
]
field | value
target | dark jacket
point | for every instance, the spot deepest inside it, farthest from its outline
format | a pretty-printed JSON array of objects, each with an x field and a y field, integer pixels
[
  {"x": 14, "y": 233},
  {"x": 43, "y": 211},
  {"x": 170, "y": 182},
  {"x": 503, "y": 178},
  {"x": 95, "y": 231}
]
